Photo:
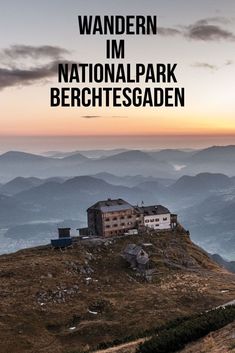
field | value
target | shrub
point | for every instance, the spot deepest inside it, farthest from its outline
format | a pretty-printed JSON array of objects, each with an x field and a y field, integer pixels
[{"x": 176, "y": 337}]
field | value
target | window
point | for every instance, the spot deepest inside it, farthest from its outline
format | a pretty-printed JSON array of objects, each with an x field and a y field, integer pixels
[
  {"x": 129, "y": 216},
  {"x": 107, "y": 219},
  {"x": 122, "y": 217},
  {"x": 151, "y": 220},
  {"x": 115, "y": 218},
  {"x": 157, "y": 220},
  {"x": 115, "y": 225},
  {"x": 164, "y": 218},
  {"x": 146, "y": 221},
  {"x": 108, "y": 226},
  {"x": 122, "y": 224}
]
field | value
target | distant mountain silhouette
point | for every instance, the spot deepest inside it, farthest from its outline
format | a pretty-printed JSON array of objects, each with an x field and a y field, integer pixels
[
  {"x": 131, "y": 180},
  {"x": 215, "y": 154},
  {"x": 130, "y": 156},
  {"x": 164, "y": 164},
  {"x": 87, "y": 153},
  {"x": 229, "y": 265},
  {"x": 70, "y": 199},
  {"x": 203, "y": 182},
  {"x": 171, "y": 155},
  {"x": 18, "y": 157},
  {"x": 20, "y": 184},
  {"x": 76, "y": 157}
]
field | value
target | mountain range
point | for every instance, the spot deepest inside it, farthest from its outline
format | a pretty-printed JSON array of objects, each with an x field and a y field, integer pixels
[
  {"x": 47, "y": 190},
  {"x": 161, "y": 164}
]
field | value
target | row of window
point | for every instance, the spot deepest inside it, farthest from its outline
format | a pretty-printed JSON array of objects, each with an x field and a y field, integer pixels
[
  {"x": 152, "y": 220},
  {"x": 116, "y": 225},
  {"x": 116, "y": 218},
  {"x": 155, "y": 220}
]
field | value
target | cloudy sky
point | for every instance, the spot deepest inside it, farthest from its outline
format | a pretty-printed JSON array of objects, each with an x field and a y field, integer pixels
[{"x": 198, "y": 35}]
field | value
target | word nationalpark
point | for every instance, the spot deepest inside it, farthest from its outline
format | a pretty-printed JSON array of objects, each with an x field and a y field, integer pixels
[{"x": 115, "y": 83}]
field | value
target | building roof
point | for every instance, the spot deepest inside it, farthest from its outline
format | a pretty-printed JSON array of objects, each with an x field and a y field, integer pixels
[
  {"x": 152, "y": 210},
  {"x": 142, "y": 258},
  {"x": 137, "y": 252},
  {"x": 110, "y": 205}
]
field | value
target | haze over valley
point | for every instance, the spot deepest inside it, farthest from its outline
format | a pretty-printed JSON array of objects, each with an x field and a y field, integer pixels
[{"x": 38, "y": 193}]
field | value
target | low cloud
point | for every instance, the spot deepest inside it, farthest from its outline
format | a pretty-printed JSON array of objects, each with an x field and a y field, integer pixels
[
  {"x": 212, "y": 67},
  {"x": 205, "y": 66},
  {"x": 100, "y": 116},
  {"x": 168, "y": 31},
  {"x": 229, "y": 62},
  {"x": 91, "y": 116},
  {"x": 18, "y": 77},
  {"x": 27, "y": 51},
  {"x": 207, "y": 29},
  {"x": 218, "y": 19},
  {"x": 19, "y": 64},
  {"x": 208, "y": 33}
]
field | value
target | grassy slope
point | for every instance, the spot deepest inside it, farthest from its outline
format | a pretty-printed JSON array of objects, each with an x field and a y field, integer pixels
[{"x": 185, "y": 281}]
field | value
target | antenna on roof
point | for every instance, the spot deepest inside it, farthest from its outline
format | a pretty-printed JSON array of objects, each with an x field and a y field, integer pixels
[{"x": 142, "y": 203}]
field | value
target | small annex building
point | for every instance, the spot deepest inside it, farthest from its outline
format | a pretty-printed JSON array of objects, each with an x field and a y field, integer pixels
[
  {"x": 155, "y": 217},
  {"x": 64, "y": 238},
  {"x": 136, "y": 257}
]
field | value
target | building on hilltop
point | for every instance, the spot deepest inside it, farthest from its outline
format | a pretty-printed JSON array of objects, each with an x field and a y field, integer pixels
[
  {"x": 155, "y": 217},
  {"x": 110, "y": 218}
]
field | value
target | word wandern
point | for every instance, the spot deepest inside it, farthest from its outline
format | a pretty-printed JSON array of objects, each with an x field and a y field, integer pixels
[{"x": 117, "y": 25}]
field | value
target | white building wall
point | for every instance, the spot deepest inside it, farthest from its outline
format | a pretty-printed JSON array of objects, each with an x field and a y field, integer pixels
[{"x": 158, "y": 221}]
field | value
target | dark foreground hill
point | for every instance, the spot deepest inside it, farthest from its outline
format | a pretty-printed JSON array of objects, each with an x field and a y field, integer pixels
[
  {"x": 220, "y": 341},
  {"x": 69, "y": 301}
]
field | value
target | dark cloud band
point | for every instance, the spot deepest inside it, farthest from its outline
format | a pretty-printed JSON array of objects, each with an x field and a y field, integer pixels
[
  {"x": 208, "y": 29},
  {"x": 27, "y": 51},
  {"x": 208, "y": 33},
  {"x": 15, "y": 71},
  {"x": 15, "y": 77}
]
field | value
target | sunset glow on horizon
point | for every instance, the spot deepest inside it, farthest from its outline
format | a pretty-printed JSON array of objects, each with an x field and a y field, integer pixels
[{"x": 205, "y": 68}]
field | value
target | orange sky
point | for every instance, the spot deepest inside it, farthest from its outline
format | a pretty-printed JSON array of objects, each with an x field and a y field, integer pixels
[{"x": 206, "y": 68}]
